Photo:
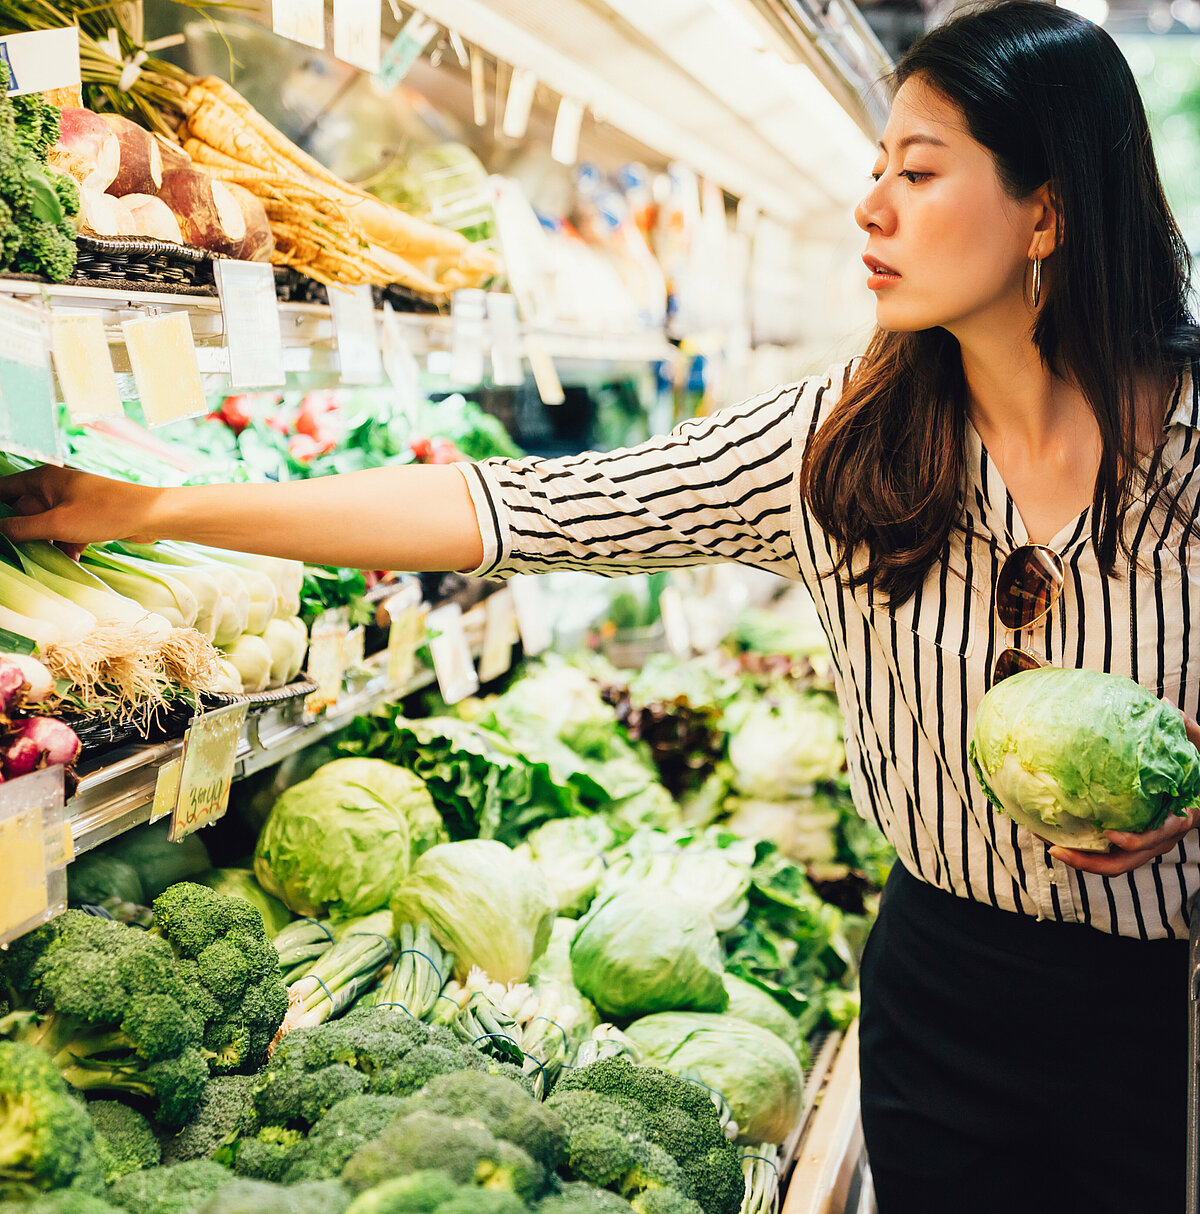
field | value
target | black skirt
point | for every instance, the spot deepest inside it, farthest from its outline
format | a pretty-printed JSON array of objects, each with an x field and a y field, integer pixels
[{"x": 1018, "y": 1067}]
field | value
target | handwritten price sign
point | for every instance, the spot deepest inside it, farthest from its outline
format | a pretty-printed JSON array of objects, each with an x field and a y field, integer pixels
[{"x": 209, "y": 752}]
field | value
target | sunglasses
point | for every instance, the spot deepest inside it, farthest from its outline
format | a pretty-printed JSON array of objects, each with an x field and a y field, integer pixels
[{"x": 1030, "y": 583}]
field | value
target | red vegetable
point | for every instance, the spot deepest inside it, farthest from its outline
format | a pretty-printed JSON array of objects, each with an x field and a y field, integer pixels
[{"x": 40, "y": 742}]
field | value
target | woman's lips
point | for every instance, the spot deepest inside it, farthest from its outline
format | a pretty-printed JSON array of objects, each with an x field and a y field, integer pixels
[{"x": 881, "y": 275}]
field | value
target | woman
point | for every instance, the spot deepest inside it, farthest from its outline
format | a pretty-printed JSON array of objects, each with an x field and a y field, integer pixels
[{"x": 1031, "y": 383}]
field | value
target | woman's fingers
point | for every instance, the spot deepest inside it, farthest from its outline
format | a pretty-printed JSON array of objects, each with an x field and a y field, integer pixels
[
  {"x": 1130, "y": 849},
  {"x": 72, "y": 508}
]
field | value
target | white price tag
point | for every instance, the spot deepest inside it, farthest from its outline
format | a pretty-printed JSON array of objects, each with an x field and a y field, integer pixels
[
  {"x": 84, "y": 369},
  {"x": 406, "y": 48},
  {"x": 162, "y": 353},
  {"x": 401, "y": 365},
  {"x": 533, "y": 618},
  {"x": 545, "y": 376},
  {"x": 519, "y": 104},
  {"x": 356, "y": 32},
  {"x": 499, "y": 633},
  {"x": 564, "y": 147},
  {"x": 675, "y": 623},
  {"x": 32, "y": 844},
  {"x": 40, "y": 60},
  {"x": 359, "y": 357},
  {"x": 467, "y": 310},
  {"x": 354, "y": 648},
  {"x": 406, "y": 631},
  {"x": 507, "y": 370},
  {"x": 206, "y": 770},
  {"x": 452, "y": 662},
  {"x": 300, "y": 20},
  {"x": 326, "y": 662},
  {"x": 28, "y": 420},
  {"x": 252, "y": 333},
  {"x": 478, "y": 89}
]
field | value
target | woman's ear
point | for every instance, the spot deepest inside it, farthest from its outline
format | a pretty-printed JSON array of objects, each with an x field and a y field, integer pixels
[{"x": 1047, "y": 229}]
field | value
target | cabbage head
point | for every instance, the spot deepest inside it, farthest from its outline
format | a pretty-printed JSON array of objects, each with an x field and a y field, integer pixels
[
  {"x": 570, "y": 853},
  {"x": 334, "y": 847},
  {"x": 751, "y": 1067},
  {"x": 648, "y": 949},
  {"x": 749, "y": 1002},
  {"x": 484, "y": 902},
  {"x": 240, "y": 883},
  {"x": 1073, "y": 753},
  {"x": 780, "y": 747}
]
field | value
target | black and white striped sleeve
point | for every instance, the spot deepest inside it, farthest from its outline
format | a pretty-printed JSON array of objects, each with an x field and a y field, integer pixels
[{"x": 718, "y": 488}]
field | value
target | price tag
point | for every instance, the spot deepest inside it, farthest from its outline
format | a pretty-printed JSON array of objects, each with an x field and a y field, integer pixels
[
  {"x": 467, "y": 310},
  {"x": 564, "y": 147},
  {"x": 31, "y": 824},
  {"x": 354, "y": 649},
  {"x": 327, "y": 658},
  {"x": 405, "y": 634},
  {"x": 675, "y": 622},
  {"x": 252, "y": 333},
  {"x": 206, "y": 769},
  {"x": 359, "y": 356},
  {"x": 166, "y": 790},
  {"x": 300, "y": 20},
  {"x": 401, "y": 364},
  {"x": 29, "y": 422},
  {"x": 84, "y": 369},
  {"x": 533, "y": 620},
  {"x": 507, "y": 370},
  {"x": 406, "y": 49},
  {"x": 452, "y": 662},
  {"x": 356, "y": 32},
  {"x": 545, "y": 376},
  {"x": 499, "y": 631},
  {"x": 40, "y": 60},
  {"x": 162, "y": 354}
]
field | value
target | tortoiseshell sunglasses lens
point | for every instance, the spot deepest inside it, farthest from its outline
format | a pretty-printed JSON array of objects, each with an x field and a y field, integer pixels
[{"x": 1031, "y": 579}]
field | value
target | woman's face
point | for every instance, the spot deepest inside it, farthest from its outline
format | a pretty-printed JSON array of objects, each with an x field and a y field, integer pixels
[{"x": 939, "y": 217}]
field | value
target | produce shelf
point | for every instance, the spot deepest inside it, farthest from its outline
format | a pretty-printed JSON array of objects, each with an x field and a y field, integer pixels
[{"x": 117, "y": 794}]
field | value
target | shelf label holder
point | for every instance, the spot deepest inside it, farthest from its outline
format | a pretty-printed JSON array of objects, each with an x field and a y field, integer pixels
[
  {"x": 206, "y": 769},
  {"x": 32, "y": 841},
  {"x": 452, "y": 661}
]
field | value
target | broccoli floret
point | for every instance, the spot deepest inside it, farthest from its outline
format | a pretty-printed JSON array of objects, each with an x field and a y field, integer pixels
[
  {"x": 465, "y": 1150},
  {"x": 231, "y": 971},
  {"x": 266, "y": 1156},
  {"x": 109, "y": 1008},
  {"x": 256, "y": 1197},
  {"x": 664, "y": 1201},
  {"x": 579, "y": 1198},
  {"x": 417, "y": 1193},
  {"x": 224, "y": 1112},
  {"x": 504, "y": 1107},
  {"x": 338, "y": 1135},
  {"x": 380, "y": 1051},
  {"x": 46, "y": 1137},
  {"x": 481, "y": 1201},
  {"x": 181, "y": 1189},
  {"x": 124, "y": 1140},
  {"x": 624, "y": 1163},
  {"x": 62, "y": 1201},
  {"x": 666, "y": 1113}
]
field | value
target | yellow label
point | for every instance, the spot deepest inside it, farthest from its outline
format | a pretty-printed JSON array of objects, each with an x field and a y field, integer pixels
[
  {"x": 162, "y": 353},
  {"x": 405, "y": 634},
  {"x": 23, "y": 891},
  {"x": 84, "y": 369},
  {"x": 206, "y": 774},
  {"x": 166, "y": 789},
  {"x": 327, "y": 659}
]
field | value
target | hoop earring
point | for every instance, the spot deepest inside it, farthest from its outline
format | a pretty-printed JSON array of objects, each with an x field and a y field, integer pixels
[{"x": 1036, "y": 292}]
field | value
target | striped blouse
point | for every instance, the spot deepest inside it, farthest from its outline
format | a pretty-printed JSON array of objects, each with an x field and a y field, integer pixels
[{"x": 724, "y": 488}]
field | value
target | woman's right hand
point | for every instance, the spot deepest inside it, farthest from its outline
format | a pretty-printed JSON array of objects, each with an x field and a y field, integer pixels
[{"x": 75, "y": 508}]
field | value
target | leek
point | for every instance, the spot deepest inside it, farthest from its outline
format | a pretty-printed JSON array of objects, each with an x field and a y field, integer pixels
[
  {"x": 285, "y": 576},
  {"x": 252, "y": 658},
  {"x": 287, "y": 641},
  {"x": 263, "y": 595},
  {"x": 145, "y": 583},
  {"x": 28, "y": 597}
]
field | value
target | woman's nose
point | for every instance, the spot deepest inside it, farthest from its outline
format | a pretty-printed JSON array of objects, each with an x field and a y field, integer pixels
[{"x": 873, "y": 211}]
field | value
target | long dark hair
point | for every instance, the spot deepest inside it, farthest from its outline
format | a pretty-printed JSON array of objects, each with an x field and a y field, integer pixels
[{"x": 1052, "y": 98}]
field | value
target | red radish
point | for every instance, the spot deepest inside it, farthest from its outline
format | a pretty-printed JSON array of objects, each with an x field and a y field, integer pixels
[
  {"x": 209, "y": 215},
  {"x": 40, "y": 742},
  {"x": 141, "y": 165},
  {"x": 151, "y": 216},
  {"x": 234, "y": 413},
  {"x": 87, "y": 148},
  {"x": 421, "y": 447},
  {"x": 259, "y": 242},
  {"x": 40, "y": 682},
  {"x": 12, "y": 687}
]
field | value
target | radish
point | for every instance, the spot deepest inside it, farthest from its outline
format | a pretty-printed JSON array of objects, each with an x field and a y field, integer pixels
[
  {"x": 151, "y": 216},
  {"x": 209, "y": 215},
  {"x": 40, "y": 742},
  {"x": 40, "y": 681},
  {"x": 140, "y": 168},
  {"x": 87, "y": 149}
]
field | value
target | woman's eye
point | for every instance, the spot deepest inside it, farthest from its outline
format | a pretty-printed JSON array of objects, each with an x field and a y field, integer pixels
[{"x": 914, "y": 176}]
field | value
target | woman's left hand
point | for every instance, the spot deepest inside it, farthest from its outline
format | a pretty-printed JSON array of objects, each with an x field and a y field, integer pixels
[{"x": 1132, "y": 850}]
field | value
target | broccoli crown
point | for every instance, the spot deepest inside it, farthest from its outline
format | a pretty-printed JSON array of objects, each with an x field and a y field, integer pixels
[
  {"x": 111, "y": 1011},
  {"x": 37, "y": 235},
  {"x": 62, "y": 1201},
  {"x": 579, "y": 1198},
  {"x": 46, "y": 1137},
  {"x": 504, "y": 1107},
  {"x": 482, "y": 1201},
  {"x": 181, "y": 1189},
  {"x": 669, "y": 1114},
  {"x": 664, "y": 1201},
  {"x": 465, "y": 1150},
  {"x": 266, "y": 1156},
  {"x": 381, "y": 1051},
  {"x": 230, "y": 970},
  {"x": 124, "y": 1139},
  {"x": 338, "y": 1134},
  {"x": 257, "y": 1197},
  {"x": 224, "y": 1112},
  {"x": 417, "y": 1193}
]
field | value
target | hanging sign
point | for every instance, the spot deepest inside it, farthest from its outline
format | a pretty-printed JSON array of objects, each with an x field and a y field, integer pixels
[
  {"x": 300, "y": 20},
  {"x": 468, "y": 307},
  {"x": 327, "y": 658},
  {"x": 533, "y": 619},
  {"x": 206, "y": 769},
  {"x": 251, "y": 314},
  {"x": 29, "y": 421},
  {"x": 406, "y": 48},
  {"x": 359, "y": 358},
  {"x": 401, "y": 365},
  {"x": 162, "y": 354},
  {"x": 356, "y": 32},
  {"x": 564, "y": 147},
  {"x": 406, "y": 631},
  {"x": 519, "y": 103},
  {"x": 84, "y": 369},
  {"x": 498, "y": 634},
  {"x": 452, "y": 661},
  {"x": 40, "y": 60}
]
